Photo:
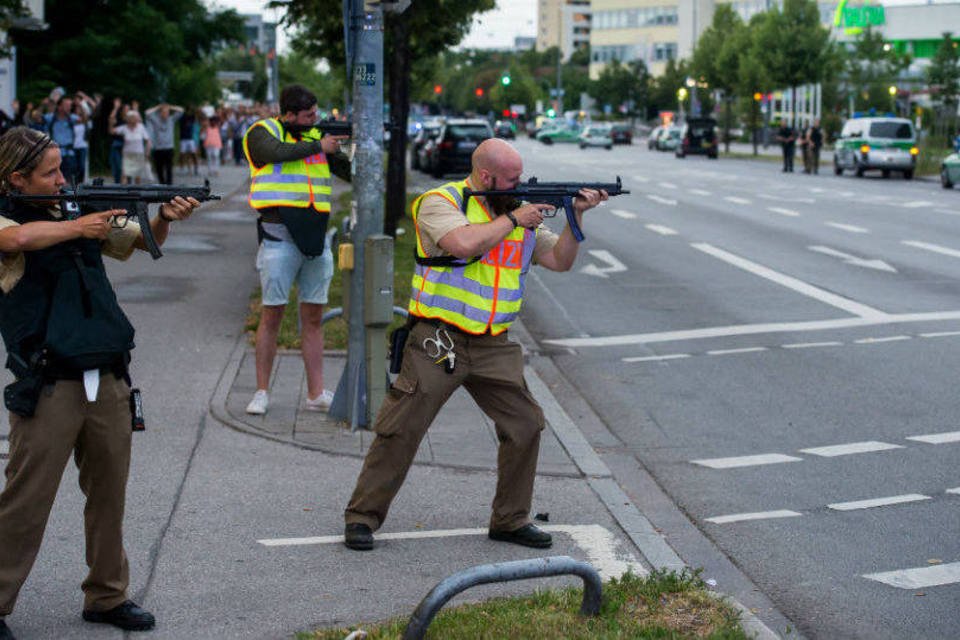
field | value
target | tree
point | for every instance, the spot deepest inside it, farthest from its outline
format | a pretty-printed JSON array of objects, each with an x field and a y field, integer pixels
[
  {"x": 871, "y": 67},
  {"x": 663, "y": 91},
  {"x": 622, "y": 87},
  {"x": 127, "y": 48},
  {"x": 419, "y": 34},
  {"x": 943, "y": 75},
  {"x": 716, "y": 59},
  {"x": 299, "y": 67},
  {"x": 792, "y": 45}
]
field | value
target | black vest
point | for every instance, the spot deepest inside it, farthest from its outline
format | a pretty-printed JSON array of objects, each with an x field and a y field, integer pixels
[{"x": 63, "y": 306}]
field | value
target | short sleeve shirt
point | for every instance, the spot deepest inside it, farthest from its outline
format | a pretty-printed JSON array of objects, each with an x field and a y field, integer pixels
[
  {"x": 438, "y": 216},
  {"x": 118, "y": 245}
]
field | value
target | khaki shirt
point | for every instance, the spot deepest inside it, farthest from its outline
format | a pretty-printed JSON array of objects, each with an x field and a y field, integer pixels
[
  {"x": 438, "y": 216},
  {"x": 118, "y": 245}
]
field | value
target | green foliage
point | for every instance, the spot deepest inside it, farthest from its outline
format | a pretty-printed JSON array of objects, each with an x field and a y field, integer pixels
[
  {"x": 791, "y": 44},
  {"x": 11, "y": 11},
  {"x": 240, "y": 59},
  {"x": 943, "y": 75},
  {"x": 327, "y": 85},
  {"x": 624, "y": 87},
  {"x": 663, "y": 91},
  {"x": 871, "y": 67}
]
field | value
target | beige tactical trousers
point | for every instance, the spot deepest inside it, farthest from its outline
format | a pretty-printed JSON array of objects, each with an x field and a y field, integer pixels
[{"x": 491, "y": 369}]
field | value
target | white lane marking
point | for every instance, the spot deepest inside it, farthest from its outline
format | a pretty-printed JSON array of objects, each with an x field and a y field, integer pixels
[
  {"x": 940, "y": 334},
  {"x": 784, "y": 212},
  {"x": 600, "y": 545},
  {"x": 850, "y": 448},
  {"x": 698, "y": 192},
  {"x": 790, "y": 282},
  {"x": 724, "y": 352},
  {"x": 920, "y": 577},
  {"x": 612, "y": 265},
  {"x": 955, "y": 490},
  {"x": 948, "y": 211},
  {"x": 811, "y": 345},
  {"x": 937, "y": 438},
  {"x": 817, "y": 190},
  {"x": 760, "y": 515},
  {"x": 916, "y": 204},
  {"x": 750, "y": 329},
  {"x": 880, "y": 340},
  {"x": 767, "y": 196},
  {"x": 672, "y": 356},
  {"x": 620, "y": 213},
  {"x": 847, "y": 227},
  {"x": 746, "y": 461},
  {"x": 877, "y": 502},
  {"x": 667, "y": 185},
  {"x": 851, "y": 259},
  {"x": 662, "y": 200},
  {"x": 736, "y": 200},
  {"x": 662, "y": 230},
  {"x": 641, "y": 178},
  {"x": 935, "y": 248}
]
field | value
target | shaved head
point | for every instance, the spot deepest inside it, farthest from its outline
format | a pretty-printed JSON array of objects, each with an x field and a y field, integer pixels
[{"x": 496, "y": 158}]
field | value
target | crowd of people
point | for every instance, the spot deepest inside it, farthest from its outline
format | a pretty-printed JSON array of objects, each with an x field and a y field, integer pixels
[{"x": 143, "y": 144}]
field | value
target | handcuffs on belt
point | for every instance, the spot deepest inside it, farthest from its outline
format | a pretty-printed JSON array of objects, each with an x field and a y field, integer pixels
[{"x": 441, "y": 349}]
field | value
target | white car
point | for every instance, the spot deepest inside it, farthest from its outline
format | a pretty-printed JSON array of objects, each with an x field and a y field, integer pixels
[{"x": 596, "y": 135}]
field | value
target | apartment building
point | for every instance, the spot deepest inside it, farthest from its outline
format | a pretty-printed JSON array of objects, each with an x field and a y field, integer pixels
[{"x": 563, "y": 23}]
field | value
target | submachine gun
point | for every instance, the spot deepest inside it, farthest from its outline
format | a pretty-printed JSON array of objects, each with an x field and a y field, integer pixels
[
  {"x": 558, "y": 194},
  {"x": 133, "y": 198}
]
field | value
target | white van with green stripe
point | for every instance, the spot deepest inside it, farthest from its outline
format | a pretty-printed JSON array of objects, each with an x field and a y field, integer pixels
[{"x": 884, "y": 144}]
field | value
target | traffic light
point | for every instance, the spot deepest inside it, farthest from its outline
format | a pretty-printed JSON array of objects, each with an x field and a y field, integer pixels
[
  {"x": 757, "y": 96},
  {"x": 438, "y": 89},
  {"x": 506, "y": 113},
  {"x": 478, "y": 92},
  {"x": 505, "y": 79},
  {"x": 551, "y": 113}
]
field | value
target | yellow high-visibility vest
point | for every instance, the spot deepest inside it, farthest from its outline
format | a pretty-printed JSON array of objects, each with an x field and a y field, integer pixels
[
  {"x": 477, "y": 297},
  {"x": 297, "y": 183}
]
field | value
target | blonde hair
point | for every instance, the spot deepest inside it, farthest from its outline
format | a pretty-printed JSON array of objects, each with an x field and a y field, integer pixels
[{"x": 21, "y": 150}]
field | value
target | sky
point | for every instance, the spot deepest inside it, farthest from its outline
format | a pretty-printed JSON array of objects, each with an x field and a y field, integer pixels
[{"x": 494, "y": 29}]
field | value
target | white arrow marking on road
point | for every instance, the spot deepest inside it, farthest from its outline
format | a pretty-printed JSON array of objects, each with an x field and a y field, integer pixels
[
  {"x": 620, "y": 213},
  {"x": 879, "y": 265},
  {"x": 662, "y": 230},
  {"x": 919, "y": 578},
  {"x": 953, "y": 253},
  {"x": 784, "y": 212},
  {"x": 600, "y": 545},
  {"x": 736, "y": 200},
  {"x": 847, "y": 227},
  {"x": 662, "y": 200},
  {"x": 613, "y": 265}
]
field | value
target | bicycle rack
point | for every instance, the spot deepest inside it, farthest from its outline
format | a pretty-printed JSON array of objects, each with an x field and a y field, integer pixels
[{"x": 504, "y": 572}]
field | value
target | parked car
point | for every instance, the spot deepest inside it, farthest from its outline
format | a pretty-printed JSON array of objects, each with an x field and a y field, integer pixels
[
  {"x": 425, "y": 133},
  {"x": 950, "y": 171},
  {"x": 504, "y": 130},
  {"x": 669, "y": 139},
  {"x": 652, "y": 138},
  {"x": 698, "y": 137},
  {"x": 562, "y": 133},
  {"x": 455, "y": 144},
  {"x": 621, "y": 133},
  {"x": 887, "y": 144},
  {"x": 597, "y": 135}
]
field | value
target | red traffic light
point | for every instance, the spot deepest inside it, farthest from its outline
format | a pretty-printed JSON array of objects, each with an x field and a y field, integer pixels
[
  {"x": 478, "y": 92},
  {"x": 438, "y": 89},
  {"x": 506, "y": 113}
]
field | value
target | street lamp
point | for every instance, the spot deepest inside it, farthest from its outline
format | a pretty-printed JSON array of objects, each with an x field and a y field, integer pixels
[
  {"x": 681, "y": 96},
  {"x": 893, "y": 97}
]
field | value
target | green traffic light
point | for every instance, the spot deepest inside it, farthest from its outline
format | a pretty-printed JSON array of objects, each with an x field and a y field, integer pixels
[
  {"x": 505, "y": 80},
  {"x": 551, "y": 113}
]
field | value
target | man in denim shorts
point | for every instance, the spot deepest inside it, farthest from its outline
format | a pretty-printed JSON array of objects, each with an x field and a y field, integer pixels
[{"x": 290, "y": 188}]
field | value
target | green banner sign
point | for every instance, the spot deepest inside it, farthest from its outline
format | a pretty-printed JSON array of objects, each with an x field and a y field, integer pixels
[{"x": 854, "y": 19}]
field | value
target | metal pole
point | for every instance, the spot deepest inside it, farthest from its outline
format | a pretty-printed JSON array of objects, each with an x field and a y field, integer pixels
[
  {"x": 366, "y": 23},
  {"x": 560, "y": 82},
  {"x": 505, "y": 572}
]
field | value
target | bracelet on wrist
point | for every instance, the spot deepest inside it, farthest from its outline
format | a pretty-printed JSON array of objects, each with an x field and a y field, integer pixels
[
  {"x": 164, "y": 217},
  {"x": 512, "y": 219}
]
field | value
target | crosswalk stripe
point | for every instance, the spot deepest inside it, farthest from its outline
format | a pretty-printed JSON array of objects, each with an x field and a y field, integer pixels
[
  {"x": 745, "y": 461},
  {"x": 877, "y": 502},
  {"x": 760, "y": 515},
  {"x": 937, "y": 438},
  {"x": 920, "y": 577},
  {"x": 850, "y": 448}
]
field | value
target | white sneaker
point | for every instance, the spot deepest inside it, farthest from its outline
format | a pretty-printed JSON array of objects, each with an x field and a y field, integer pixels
[
  {"x": 258, "y": 406},
  {"x": 321, "y": 403}
]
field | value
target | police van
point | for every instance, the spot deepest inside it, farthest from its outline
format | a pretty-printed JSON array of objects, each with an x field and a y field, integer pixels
[{"x": 884, "y": 144}]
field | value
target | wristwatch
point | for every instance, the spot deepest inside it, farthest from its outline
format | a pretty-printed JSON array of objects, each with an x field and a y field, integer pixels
[{"x": 512, "y": 219}]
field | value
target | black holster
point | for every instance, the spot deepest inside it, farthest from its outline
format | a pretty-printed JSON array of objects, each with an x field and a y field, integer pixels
[
  {"x": 398, "y": 340},
  {"x": 21, "y": 397}
]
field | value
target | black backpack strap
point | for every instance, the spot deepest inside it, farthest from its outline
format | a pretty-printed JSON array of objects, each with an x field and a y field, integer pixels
[{"x": 443, "y": 261}]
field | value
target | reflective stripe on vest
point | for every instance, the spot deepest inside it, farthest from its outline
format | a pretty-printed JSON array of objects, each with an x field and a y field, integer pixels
[
  {"x": 485, "y": 295},
  {"x": 296, "y": 183}
]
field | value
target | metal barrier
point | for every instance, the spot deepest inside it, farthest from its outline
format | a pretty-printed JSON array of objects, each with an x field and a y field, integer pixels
[
  {"x": 336, "y": 312},
  {"x": 504, "y": 572}
]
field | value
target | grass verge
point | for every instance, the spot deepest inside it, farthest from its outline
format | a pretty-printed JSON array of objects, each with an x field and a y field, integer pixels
[
  {"x": 335, "y": 331},
  {"x": 663, "y": 605}
]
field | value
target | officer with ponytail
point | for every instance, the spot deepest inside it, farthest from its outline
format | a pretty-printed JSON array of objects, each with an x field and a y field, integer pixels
[{"x": 68, "y": 344}]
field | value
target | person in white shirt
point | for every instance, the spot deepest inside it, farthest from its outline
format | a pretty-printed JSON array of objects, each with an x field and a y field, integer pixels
[{"x": 136, "y": 148}]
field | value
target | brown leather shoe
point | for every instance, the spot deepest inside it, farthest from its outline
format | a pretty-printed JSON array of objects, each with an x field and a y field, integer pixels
[{"x": 529, "y": 535}]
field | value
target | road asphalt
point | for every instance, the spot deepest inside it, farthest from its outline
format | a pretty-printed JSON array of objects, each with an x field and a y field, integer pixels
[{"x": 234, "y": 522}]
